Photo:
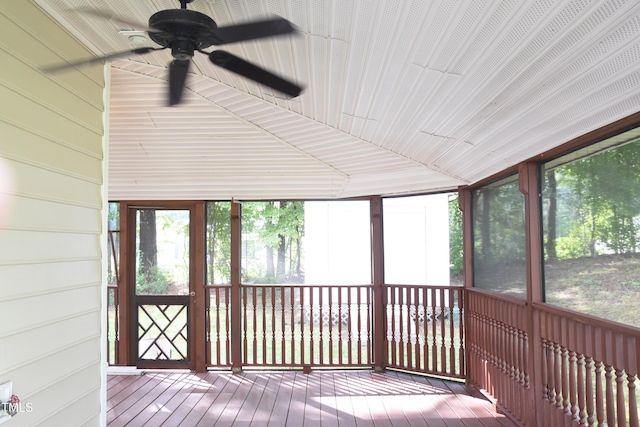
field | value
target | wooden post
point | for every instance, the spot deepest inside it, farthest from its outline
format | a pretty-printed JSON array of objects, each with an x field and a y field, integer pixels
[
  {"x": 236, "y": 305},
  {"x": 198, "y": 303},
  {"x": 124, "y": 292},
  {"x": 464, "y": 204},
  {"x": 529, "y": 186},
  {"x": 377, "y": 279}
]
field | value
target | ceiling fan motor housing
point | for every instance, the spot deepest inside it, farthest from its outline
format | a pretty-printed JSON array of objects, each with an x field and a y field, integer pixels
[{"x": 182, "y": 30}]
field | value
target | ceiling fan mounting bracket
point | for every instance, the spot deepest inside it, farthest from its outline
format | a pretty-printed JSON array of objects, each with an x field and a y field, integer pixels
[{"x": 177, "y": 25}]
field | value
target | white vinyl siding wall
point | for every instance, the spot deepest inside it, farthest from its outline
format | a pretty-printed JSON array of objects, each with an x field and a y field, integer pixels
[{"x": 51, "y": 199}]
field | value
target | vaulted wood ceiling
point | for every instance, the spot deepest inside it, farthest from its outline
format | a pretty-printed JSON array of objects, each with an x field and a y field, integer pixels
[{"x": 400, "y": 96}]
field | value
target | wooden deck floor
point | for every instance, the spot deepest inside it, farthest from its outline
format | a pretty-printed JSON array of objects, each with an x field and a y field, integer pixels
[{"x": 344, "y": 398}]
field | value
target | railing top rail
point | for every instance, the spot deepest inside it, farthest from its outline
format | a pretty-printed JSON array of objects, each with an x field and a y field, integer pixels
[
  {"x": 320, "y": 285},
  {"x": 506, "y": 298},
  {"x": 290, "y": 285},
  {"x": 588, "y": 320},
  {"x": 391, "y": 285}
]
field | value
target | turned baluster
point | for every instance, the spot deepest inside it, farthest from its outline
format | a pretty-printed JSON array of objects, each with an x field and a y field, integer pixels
[
  {"x": 610, "y": 403},
  {"x": 620, "y": 400},
  {"x": 573, "y": 408},
  {"x": 633, "y": 403},
  {"x": 558, "y": 382},
  {"x": 599, "y": 396},
  {"x": 590, "y": 396},
  {"x": 565, "y": 381},
  {"x": 581, "y": 412},
  {"x": 550, "y": 392}
]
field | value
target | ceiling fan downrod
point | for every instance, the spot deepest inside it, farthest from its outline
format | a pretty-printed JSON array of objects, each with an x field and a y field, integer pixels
[{"x": 184, "y": 3}]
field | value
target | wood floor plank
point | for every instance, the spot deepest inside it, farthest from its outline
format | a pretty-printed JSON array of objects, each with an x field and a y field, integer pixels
[
  {"x": 237, "y": 401},
  {"x": 198, "y": 388},
  {"x": 344, "y": 406},
  {"x": 159, "y": 404},
  {"x": 257, "y": 384},
  {"x": 327, "y": 400},
  {"x": 292, "y": 398},
  {"x": 172, "y": 403},
  {"x": 356, "y": 390},
  {"x": 455, "y": 408},
  {"x": 312, "y": 409},
  {"x": 220, "y": 402},
  {"x": 123, "y": 388},
  {"x": 280, "y": 411},
  {"x": 264, "y": 409},
  {"x": 126, "y": 391},
  {"x": 112, "y": 380},
  {"x": 297, "y": 406},
  {"x": 479, "y": 408},
  {"x": 129, "y": 408},
  {"x": 429, "y": 406},
  {"x": 198, "y": 411}
]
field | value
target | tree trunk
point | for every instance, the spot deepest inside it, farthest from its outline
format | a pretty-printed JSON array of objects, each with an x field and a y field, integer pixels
[
  {"x": 551, "y": 217},
  {"x": 485, "y": 225},
  {"x": 280, "y": 271},
  {"x": 298, "y": 259},
  {"x": 148, "y": 244},
  {"x": 592, "y": 242},
  {"x": 270, "y": 266}
]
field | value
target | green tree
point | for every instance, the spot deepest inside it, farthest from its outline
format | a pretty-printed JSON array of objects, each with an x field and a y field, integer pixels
[
  {"x": 455, "y": 236},
  {"x": 278, "y": 227},
  {"x": 598, "y": 203},
  {"x": 498, "y": 212},
  {"x": 218, "y": 242},
  {"x": 147, "y": 243},
  {"x": 152, "y": 224},
  {"x": 113, "y": 242}
]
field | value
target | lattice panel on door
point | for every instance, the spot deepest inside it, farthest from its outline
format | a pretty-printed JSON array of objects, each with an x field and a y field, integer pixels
[{"x": 162, "y": 332}]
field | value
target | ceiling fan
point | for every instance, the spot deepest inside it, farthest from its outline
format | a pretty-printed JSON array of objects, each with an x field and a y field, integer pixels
[{"x": 186, "y": 31}]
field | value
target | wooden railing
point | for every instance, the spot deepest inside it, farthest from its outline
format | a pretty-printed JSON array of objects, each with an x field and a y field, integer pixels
[
  {"x": 424, "y": 329},
  {"x": 113, "y": 325},
  {"x": 332, "y": 326},
  {"x": 294, "y": 326},
  {"x": 498, "y": 352},
  {"x": 218, "y": 326},
  {"x": 590, "y": 369},
  {"x": 113, "y": 302}
]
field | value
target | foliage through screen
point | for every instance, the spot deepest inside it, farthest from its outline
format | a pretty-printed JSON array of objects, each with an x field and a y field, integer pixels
[{"x": 591, "y": 229}]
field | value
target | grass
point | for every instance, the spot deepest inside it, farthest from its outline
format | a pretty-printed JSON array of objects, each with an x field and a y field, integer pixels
[{"x": 607, "y": 286}]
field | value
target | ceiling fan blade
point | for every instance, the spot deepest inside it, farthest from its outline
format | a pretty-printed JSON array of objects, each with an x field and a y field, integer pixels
[
  {"x": 67, "y": 65},
  {"x": 253, "y": 72},
  {"x": 250, "y": 31},
  {"x": 177, "y": 78}
]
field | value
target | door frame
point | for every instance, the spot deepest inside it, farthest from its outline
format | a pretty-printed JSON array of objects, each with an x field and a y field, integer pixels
[{"x": 128, "y": 338}]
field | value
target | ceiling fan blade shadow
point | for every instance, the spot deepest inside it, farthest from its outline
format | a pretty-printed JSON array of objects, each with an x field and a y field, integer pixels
[
  {"x": 73, "y": 64},
  {"x": 110, "y": 16},
  {"x": 177, "y": 77},
  {"x": 249, "y": 31},
  {"x": 240, "y": 66}
]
